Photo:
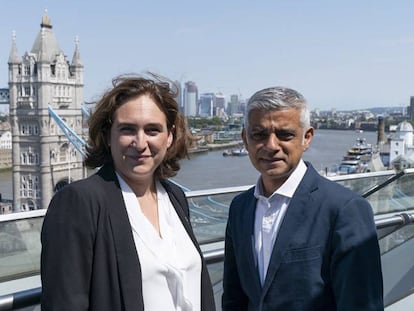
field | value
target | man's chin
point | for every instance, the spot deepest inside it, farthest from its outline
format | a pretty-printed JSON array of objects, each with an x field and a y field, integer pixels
[{"x": 276, "y": 172}]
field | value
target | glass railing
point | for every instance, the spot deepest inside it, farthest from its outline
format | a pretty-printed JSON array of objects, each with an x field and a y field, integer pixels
[
  {"x": 391, "y": 195},
  {"x": 387, "y": 191},
  {"x": 20, "y": 245}
]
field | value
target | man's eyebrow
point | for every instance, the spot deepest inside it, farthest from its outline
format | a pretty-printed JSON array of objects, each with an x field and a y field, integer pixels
[{"x": 259, "y": 128}]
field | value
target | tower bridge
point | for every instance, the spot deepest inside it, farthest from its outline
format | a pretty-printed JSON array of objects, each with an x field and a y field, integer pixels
[{"x": 46, "y": 116}]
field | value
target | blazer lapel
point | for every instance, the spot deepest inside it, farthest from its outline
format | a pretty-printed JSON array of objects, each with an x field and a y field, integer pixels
[
  {"x": 129, "y": 267},
  {"x": 296, "y": 214}
]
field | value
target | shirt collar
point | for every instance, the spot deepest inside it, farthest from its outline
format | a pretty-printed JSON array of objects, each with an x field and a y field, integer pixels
[{"x": 288, "y": 188}]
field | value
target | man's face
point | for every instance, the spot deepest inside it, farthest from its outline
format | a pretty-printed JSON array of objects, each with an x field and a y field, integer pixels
[{"x": 275, "y": 141}]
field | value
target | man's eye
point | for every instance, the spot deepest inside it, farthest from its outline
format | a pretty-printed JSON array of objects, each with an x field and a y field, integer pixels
[
  {"x": 258, "y": 135},
  {"x": 285, "y": 136}
]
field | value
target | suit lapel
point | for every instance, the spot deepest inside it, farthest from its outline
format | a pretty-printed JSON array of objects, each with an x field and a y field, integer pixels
[
  {"x": 296, "y": 214},
  {"x": 247, "y": 238}
]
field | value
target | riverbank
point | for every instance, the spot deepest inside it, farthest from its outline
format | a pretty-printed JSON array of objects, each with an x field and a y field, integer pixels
[{"x": 231, "y": 144}]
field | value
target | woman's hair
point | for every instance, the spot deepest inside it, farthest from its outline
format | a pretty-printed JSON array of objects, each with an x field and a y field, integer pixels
[{"x": 125, "y": 88}]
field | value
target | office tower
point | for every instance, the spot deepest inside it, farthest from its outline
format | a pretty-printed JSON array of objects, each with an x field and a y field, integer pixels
[
  {"x": 410, "y": 109},
  {"x": 190, "y": 99},
  {"x": 233, "y": 105},
  {"x": 206, "y": 105},
  {"x": 219, "y": 105}
]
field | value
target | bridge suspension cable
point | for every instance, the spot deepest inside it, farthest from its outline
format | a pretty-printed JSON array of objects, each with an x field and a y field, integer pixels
[
  {"x": 85, "y": 111},
  {"x": 77, "y": 141}
]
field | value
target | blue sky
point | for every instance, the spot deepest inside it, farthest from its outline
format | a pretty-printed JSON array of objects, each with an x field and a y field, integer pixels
[{"x": 338, "y": 54}]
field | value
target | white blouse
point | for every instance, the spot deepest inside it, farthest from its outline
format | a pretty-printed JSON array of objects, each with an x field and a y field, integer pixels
[{"x": 170, "y": 264}]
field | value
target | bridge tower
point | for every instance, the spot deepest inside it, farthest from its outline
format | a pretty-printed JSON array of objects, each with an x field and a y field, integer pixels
[{"x": 43, "y": 158}]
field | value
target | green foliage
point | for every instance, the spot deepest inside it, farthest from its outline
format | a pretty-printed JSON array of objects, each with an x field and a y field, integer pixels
[{"x": 197, "y": 122}]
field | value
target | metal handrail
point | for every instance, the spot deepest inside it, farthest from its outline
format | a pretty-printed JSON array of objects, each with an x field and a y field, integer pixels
[
  {"x": 384, "y": 184},
  {"x": 387, "y": 225},
  {"x": 227, "y": 190},
  {"x": 32, "y": 296}
]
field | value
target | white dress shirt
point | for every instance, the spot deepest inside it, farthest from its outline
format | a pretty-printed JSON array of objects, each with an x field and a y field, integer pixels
[
  {"x": 269, "y": 216},
  {"x": 170, "y": 263}
]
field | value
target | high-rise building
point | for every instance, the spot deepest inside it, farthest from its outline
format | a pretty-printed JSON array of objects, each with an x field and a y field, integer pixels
[
  {"x": 206, "y": 105},
  {"x": 410, "y": 109},
  {"x": 219, "y": 105},
  {"x": 233, "y": 105},
  {"x": 190, "y": 99},
  {"x": 43, "y": 79}
]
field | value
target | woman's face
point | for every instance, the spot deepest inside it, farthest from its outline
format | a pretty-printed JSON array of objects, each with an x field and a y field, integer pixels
[{"x": 139, "y": 139}]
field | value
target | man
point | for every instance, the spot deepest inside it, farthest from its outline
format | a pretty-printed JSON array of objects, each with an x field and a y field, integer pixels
[{"x": 296, "y": 241}]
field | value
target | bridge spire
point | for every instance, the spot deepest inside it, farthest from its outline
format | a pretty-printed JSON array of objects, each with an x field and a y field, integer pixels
[{"x": 14, "y": 57}]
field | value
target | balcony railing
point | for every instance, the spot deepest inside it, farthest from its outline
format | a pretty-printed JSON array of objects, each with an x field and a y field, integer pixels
[{"x": 391, "y": 194}]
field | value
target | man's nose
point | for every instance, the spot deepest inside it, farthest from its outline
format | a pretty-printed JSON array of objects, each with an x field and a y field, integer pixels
[{"x": 272, "y": 142}]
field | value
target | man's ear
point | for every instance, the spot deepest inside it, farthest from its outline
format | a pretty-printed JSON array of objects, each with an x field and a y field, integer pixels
[
  {"x": 307, "y": 139},
  {"x": 244, "y": 138}
]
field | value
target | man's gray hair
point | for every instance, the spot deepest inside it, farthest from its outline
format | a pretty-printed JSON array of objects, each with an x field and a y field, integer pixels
[{"x": 278, "y": 98}]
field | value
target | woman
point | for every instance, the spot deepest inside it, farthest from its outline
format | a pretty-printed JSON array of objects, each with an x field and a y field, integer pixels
[{"x": 121, "y": 239}]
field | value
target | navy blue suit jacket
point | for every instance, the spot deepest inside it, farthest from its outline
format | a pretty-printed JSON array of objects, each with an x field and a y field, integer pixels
[{"x": 325, "y": 257}]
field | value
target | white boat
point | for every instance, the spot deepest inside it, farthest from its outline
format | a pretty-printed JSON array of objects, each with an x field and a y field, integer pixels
[
  {"x": 239, "y": 152},
  {"x": 357, "y": 158},
  {"x": 236, "y": 152}
]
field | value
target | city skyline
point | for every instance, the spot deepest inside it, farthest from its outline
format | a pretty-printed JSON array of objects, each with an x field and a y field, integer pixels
[{"x": 338, "y": 55}]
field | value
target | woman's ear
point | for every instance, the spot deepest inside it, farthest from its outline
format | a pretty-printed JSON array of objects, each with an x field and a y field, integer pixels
[{"x": 170, "y": 136}]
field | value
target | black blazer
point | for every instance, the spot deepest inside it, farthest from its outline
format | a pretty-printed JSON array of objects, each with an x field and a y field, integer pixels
[
  {"x": 88, "y": 259},
  {"x": 325, "y": 257}
]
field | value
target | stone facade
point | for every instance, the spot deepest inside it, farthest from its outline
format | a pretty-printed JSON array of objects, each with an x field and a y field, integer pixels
[
  {"x": 43, "y": 158},
  {"x": 5, "y": 158}
]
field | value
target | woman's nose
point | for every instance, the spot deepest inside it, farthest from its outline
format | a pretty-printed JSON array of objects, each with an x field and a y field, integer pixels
[{"x": 140, "y": 141}]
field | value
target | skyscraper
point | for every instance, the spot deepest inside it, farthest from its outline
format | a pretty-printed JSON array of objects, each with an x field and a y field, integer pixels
[
  {"x": 190, "y": 99},
  {"x": 206, "y": 105},
  {"x": 219, "y": 105},
  {"x": 410, "y": 109},
  {"x": 233, "y": 105}
]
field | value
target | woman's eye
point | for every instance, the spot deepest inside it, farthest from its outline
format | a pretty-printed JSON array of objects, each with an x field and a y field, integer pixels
[
  {"x": 127, "y": 130},
  {"x": 153, "y": 131}
]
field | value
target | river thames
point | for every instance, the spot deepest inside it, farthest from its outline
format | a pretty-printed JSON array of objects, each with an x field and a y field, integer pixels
[{"x": 213, "y": 170}]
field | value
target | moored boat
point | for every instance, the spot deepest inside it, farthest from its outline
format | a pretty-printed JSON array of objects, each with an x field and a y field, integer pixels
[
  {"x": 236, "y": 152},
  {"x": 357, "y": 158},
  {"x": 239, "y": 152}
]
